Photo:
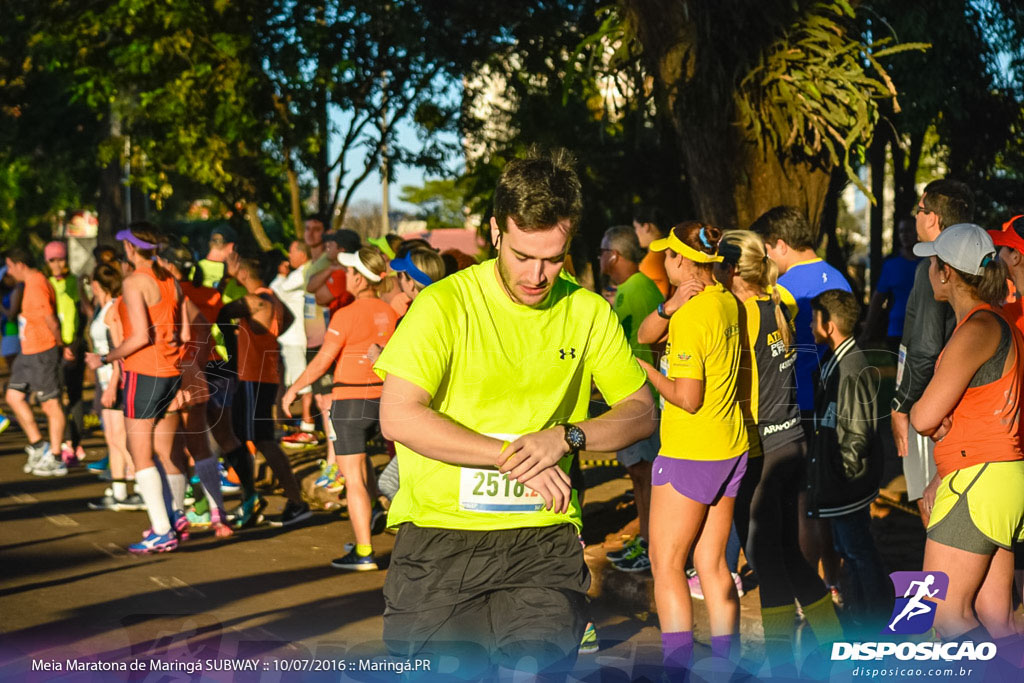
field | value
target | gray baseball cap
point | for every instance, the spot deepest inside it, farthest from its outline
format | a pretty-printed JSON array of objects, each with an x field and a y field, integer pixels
[{"x": 965, "y": 246}]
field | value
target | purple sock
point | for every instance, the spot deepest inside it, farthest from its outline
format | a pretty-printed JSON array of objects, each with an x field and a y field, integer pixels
[
  {"x": 677, "y": 650},
  {"x": 724, "y": 646}
]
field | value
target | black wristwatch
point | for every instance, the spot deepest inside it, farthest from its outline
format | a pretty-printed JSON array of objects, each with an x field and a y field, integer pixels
[
  {"x": 103, "y": 359},
  {"x": 575, "y": 438},
  {"x": 661, "y": 311}
]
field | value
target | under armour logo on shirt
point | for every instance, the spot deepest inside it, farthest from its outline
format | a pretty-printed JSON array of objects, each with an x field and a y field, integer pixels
[
  {"x": 824, "y": 277},
  {"x": 571, "y": 353}
]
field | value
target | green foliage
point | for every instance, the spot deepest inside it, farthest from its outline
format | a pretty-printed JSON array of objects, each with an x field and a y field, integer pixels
[
  {"x": 814, "y": 91},
  {"x": 440, "y": 202}
]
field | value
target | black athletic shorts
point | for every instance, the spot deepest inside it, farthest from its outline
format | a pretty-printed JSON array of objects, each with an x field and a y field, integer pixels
[
  {"x": 355, "y": 421},
  {"x": 147, "y": 397},
  {"x": 38, "y": 374},
  {"x": 514, "y": 598},
  {"x": 252, "y": 411},
  {"x": 325, "y": 385},
  {"x": 223, "y": 383}
]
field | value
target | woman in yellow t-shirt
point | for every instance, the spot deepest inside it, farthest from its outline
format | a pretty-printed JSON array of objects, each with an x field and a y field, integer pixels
[{"x": 703, "y": 453}]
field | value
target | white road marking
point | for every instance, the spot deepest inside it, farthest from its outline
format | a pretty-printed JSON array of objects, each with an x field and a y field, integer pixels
[
  {"x": 112, "y": 549},
  {"x": 61, "y": 520},
  {"x": 177, "y": 586},
  {"x": 19, "y": 497}
]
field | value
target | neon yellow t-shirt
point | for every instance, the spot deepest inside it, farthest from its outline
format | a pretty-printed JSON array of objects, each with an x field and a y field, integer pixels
[
  {"x": 704, "y": 344},
  {"x": 500, "y": 368}
]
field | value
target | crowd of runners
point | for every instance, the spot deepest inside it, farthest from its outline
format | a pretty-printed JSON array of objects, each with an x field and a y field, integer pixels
[{"x": 726, "y": 374}]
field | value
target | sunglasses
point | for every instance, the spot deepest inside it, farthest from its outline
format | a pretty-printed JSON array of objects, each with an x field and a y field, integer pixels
[{"x": 920, "y": 208}]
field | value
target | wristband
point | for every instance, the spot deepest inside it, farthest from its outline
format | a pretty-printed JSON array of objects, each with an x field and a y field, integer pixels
[
  {"x": 661, "y": 311},
  {"x": 504, "y": 447}
]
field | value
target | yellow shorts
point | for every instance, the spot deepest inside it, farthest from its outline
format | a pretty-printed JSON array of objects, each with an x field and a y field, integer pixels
[{"x": 980, "y": 508}]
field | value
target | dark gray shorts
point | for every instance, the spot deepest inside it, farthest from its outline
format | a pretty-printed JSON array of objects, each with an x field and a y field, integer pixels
[
  {"x": 38, "y": 374},
  {"x": 514, "y": 598},
  {"x": 355, "y": 421}
]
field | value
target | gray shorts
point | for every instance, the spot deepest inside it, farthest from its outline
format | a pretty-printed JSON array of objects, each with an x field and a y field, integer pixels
[
  {"x": 919, "y": 465},
  {"x": 37, "y": 374},
  {"x": 642, "y": 451}
]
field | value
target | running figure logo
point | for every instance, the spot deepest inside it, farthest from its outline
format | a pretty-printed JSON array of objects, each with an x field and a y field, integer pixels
[{"x": 914, "y": 612}]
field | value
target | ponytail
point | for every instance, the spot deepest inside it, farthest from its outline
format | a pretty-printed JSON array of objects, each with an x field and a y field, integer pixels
[
  {"x": 754, "y": 267},
  {"x": 991, "y": 285}
]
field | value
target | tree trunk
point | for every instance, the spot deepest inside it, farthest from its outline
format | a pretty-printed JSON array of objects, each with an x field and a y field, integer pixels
[
  {"x": 110, "y": 203},
  {"x": 905, "y": 163},
  {"x": 877, "y": 156},
  {"x": 252, "y": 215},
  {"x": 732, "y": 183}
]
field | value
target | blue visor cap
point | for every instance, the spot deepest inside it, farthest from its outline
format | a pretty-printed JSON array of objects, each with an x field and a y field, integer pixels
[{"x": 405, "y": 265}]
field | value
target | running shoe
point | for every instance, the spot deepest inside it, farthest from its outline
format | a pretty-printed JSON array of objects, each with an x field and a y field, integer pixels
[
  {"x": 354, "y": 562},
  {"x": 588, "y": 645},
  {"x": 132, "y": 503},
  {"x": 155, "y": 543},
  {"x": 378, "y": 521},
  {"x": 636, "y": 561},
  {"x": 35, "y": 456},
  {"x": 336, "y": 485},
  {"x": 99, "y": 465},
  {"x": 49, "y": 466},
  {"x": 693, "y": 581},
  {"x": 628, "y": 548},
  {"x": 181, "y": 525},
  {"x": 293, "y": 513},
  {"x": 248, "y": 513},
  {"x": 227, "y": 485},
  {"x": 217, "y": 521},
  {"x": 5, "y": 422},
  {"x": 327, "y": 474},
  {"x": 198, "y": 520},
  {"x": 300, "y": 440},
  {"x": 107, "y": 502}
]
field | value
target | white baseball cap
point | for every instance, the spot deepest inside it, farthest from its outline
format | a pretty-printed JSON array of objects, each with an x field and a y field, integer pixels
[{"x": 965, "y": 246}]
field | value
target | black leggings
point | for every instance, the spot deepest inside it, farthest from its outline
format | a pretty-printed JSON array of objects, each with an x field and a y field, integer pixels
[{"x": 769, "y": 529}]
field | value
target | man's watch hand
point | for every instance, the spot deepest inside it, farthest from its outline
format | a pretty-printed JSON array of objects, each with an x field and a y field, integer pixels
[
  {"x": 575, "y": 438},
  {"x": 532, "y": 453}
]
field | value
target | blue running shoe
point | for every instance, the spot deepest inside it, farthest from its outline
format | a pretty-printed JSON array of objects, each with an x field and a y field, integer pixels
[
  {"x": 99, "y": 465},
  {"x": 5, "y": 422},
  {"x": 226, "y": 485},
  {"x": 199, "y": 521},
  {"x": 248, "y": 514},
  {"x": 354, "y": 562},
  {"x": 155, "y": 543}
]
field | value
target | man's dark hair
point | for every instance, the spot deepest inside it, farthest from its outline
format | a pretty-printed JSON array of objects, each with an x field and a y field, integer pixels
[
  {"x": 19, "y": 255},
  {"x": 786, "y": 223},
  {"x": 538, "y": 191},
  {"x": 652, "y": 215},
  {"x": 950, "y": 200},
  {"x": 840, "y": 307},
  {"x": 320, "y": 218}
]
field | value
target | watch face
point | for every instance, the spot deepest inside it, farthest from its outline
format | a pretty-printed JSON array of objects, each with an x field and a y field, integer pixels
[{"x": 575, "y": 436}]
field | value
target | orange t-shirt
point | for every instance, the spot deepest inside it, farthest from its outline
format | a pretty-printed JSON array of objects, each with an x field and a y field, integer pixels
[
  {"x": 209, "y": 303},
  {"x": 259, "y": 354},
  {"x": 985, "y": 420},
  {"x": 38, "y": 302},
  {"x": 162, "y": 356},
  {"x": 400, "y": 303},
  {"x": 356, "y": 327},
  {"x": 653, "y": 266}
]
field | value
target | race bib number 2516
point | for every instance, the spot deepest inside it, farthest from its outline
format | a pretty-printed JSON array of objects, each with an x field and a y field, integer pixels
[{"x": 485, "y": 489}]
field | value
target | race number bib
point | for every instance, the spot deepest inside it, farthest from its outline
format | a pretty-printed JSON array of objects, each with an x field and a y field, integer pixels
[
  {"x": 901, "y": 362},
  {"x": 309, "y": 307},
  {"x": 485, "y": 489}
]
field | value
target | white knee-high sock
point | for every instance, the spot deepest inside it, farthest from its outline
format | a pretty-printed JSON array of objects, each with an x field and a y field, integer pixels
[
  {"x": 149, "y": 485},
  {"x": 178, "y": 483}
]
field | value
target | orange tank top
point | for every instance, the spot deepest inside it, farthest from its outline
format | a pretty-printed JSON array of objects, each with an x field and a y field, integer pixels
[
  {"x": 258, "y": 352},
  {"x": 985, "y": 421},
  {"x": 159, "y": 358}
]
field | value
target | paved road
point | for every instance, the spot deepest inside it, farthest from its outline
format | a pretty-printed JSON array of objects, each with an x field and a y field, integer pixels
[{"x": 69, "y": 590}]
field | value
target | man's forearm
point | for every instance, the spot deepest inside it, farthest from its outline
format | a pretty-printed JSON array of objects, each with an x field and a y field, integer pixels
[
  {"x": 431, "y": 434},
  {"x": 626, "y": 423}
]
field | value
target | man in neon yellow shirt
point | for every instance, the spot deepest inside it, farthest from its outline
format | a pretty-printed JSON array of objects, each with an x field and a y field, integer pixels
[{"x": 486, "y": 388}]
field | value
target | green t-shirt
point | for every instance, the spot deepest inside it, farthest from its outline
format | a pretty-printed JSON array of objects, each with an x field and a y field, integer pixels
[
  {"x": 66, "y": 292},
  {"x": 213, "y": 273},
  {"x": 502, "y": 369},
  {"x": 635, "y": 299}
]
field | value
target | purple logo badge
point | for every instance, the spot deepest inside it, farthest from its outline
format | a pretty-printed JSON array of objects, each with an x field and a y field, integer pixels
[{"x": 916, "y": 592}]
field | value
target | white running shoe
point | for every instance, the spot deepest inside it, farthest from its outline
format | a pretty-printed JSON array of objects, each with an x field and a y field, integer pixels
[
  {"x": 49, "y": 466},
  {"x": 35, "y": 455}
]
